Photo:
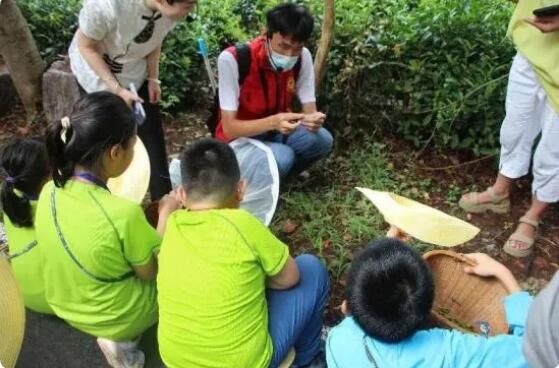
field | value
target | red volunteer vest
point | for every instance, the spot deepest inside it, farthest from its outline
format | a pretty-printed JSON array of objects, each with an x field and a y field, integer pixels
[{"x": 264, "y": 92}]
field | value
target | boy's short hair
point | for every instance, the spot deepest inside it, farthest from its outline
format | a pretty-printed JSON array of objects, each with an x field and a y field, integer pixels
[
  {"x": 390, "y": 290},
  {"x": 209, "y": 169},
  {"x": 290, "y": 20}
]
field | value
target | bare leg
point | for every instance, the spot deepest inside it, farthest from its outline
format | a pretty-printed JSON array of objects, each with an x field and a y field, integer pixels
[
  {"x": 535, "y": 212},
  {"x": 502, "y": 186}
]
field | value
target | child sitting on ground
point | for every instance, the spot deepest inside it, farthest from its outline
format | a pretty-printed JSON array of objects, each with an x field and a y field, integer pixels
[
  {"x": 98, "y": 250},
  {"x": 230, "y": 295},
  {"x": 389, "y": 296},
  {"x": 26, "y": 169}
]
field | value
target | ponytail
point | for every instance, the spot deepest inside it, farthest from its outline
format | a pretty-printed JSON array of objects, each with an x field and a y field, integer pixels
[
  {"x": 57, "y": 137},
  {"x": 26, "y": 169},
  {"x": 98, "y": 121},
  {"x": 17, "y": 208}
]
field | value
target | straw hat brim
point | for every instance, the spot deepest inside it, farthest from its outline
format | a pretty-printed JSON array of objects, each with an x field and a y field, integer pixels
[
  {"x": 12, "y": 315},
  {"x": 420, "y": 221},
  {"x": 134, "y": 182}
]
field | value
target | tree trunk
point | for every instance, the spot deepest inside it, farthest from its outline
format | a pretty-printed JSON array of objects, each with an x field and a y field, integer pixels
[
  {"x": 21, "y": 55},
  {"x": 327, "y": 35}
]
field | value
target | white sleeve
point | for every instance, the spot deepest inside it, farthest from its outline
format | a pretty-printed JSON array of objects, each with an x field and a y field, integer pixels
[
  {"x": 228, "y": 75},
  {"x": 97, "y": 18},
  {"x": 305, "y": 82}
]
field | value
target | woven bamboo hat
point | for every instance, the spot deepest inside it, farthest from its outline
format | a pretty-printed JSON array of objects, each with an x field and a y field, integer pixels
[
  {"x": 12, "y": 315},
  {"x": 420, "y": 221},
  {"x": 134, "y": 182},
  {"x": 463, "y": 301}
]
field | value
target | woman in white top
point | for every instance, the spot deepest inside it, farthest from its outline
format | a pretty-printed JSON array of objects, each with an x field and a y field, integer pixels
[{"x": 119, "y": 43}]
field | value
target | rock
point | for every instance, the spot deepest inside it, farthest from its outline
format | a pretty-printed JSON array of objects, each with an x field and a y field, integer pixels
[
  {"x": 60, "y": 90},
  {"x": 8, "y": 93},
  {"x": 492, "y": 249}
]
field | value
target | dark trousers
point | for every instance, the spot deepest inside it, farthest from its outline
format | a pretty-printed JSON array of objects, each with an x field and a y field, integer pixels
[{"x": 152, "y": 135}]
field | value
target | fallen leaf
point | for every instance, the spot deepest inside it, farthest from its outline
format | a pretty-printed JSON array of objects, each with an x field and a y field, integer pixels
[{"x": 289, "y": 227}]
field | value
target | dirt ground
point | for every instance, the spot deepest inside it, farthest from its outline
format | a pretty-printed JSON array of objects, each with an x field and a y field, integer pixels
[{"x": 49, "y": 342}]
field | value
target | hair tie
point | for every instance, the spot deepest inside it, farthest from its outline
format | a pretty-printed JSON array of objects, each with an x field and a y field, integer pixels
[
  {"x": 65, "y": 126},
  {"x": 10, "y": 179}
]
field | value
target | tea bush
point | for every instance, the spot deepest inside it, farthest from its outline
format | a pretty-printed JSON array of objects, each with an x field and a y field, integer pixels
[{"x": 430, "y": 71}]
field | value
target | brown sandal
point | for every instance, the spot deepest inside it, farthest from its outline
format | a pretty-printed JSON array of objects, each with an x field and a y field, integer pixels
[
  {"x": 471, "y": 204},
  {"x": 519, "y": 237}
]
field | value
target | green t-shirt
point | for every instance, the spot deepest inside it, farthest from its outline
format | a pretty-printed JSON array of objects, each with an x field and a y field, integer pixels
[
  {"x": 212, "y": 304},
  {"x": 106, "y": 235},
  {"x": 541, "y": 50},
  {"x": 26, "y": 263}
]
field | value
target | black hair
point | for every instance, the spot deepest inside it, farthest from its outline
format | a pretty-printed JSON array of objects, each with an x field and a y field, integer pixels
[
  {"x": 25, "y": 166},
  {"x": 390, "y": 290},
  {"x": 209, "y": 168},
  {"x": 98, "y": 121},
  {"x": 290, "y": 20}
]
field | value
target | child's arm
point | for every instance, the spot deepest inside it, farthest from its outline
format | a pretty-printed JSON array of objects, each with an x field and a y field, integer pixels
[
  {"x": 167, "y": 205},
  {"x": 488, "y": 267},
  {"x": 148, "y": 271},
  {"x": 517, "y": 303},
  {"x": 286, "y": 278}
]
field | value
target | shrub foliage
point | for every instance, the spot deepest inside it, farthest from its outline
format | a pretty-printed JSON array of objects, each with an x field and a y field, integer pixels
[{"x": 432, "y": 71}]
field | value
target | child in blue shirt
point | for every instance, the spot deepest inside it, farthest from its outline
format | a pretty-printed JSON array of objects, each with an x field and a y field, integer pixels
[{"x": 389, "y": 296}]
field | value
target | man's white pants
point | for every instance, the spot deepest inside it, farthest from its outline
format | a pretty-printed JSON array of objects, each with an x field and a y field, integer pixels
[{"x": 528, "y": 113}]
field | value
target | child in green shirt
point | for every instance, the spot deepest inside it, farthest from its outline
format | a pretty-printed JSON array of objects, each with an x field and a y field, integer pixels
[
  {"x": 26, "y": 169},
  {"x": 99, "y": 250},
  {"x": 230, "y": 295}
]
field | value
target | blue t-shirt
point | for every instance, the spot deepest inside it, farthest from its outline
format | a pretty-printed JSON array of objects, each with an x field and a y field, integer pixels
[{"x": 433, "y": 348}]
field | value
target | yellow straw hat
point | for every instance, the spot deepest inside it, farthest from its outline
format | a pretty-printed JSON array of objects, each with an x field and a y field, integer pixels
[
  {"x": 420, "y": 221},
  {"x": 134, "y": 182},
  {"x": 12, "y": 315}
]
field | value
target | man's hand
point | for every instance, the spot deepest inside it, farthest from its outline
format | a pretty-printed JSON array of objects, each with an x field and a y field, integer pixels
[
  {"x": 313, "y": 122},
  {"x": 545, "y": 24},
  {"x": 154, "y": 90},
  {"x": 287, "y": 127},
  {"x": 287, "y": 122}
]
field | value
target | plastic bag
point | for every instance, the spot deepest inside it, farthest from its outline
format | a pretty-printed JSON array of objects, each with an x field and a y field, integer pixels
[{"x": 259, "y": 169}]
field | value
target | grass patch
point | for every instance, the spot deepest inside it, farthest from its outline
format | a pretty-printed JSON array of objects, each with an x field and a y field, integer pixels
[{"x": 332, "y": 218}]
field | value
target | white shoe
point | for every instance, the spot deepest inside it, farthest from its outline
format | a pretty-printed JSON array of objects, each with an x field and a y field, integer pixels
[{"x": 122, "y": 354}]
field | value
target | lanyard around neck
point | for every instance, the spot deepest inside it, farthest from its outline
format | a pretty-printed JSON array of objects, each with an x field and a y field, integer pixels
[{"x": 92, "y": 179}]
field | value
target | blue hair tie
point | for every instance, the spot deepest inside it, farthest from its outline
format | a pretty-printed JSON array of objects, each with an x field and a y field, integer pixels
[{"x": 10, "y": 180}]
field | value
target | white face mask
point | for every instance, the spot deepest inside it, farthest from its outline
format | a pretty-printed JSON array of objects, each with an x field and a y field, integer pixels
[{"x": 281, "y": 62}]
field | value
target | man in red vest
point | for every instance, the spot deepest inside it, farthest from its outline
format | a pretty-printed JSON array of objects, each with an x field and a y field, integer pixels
[{"x": 280, "y": 68}]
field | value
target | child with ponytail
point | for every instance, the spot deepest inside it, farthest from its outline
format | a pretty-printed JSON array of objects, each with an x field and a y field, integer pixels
[
  {"x": 25, "y": 169},
  {"x": 99, "y": 250}
]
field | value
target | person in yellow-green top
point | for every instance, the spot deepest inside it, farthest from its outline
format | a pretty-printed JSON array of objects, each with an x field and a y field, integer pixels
[
  {"x": 98, "y": 250},
  {"x": 532, "y": 109},
  {"x": 25, "y": 167},
  {"x": 230, "y": 295}
]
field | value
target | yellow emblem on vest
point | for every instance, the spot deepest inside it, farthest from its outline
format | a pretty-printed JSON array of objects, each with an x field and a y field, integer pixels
[{"x": 291, "y": 85}]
